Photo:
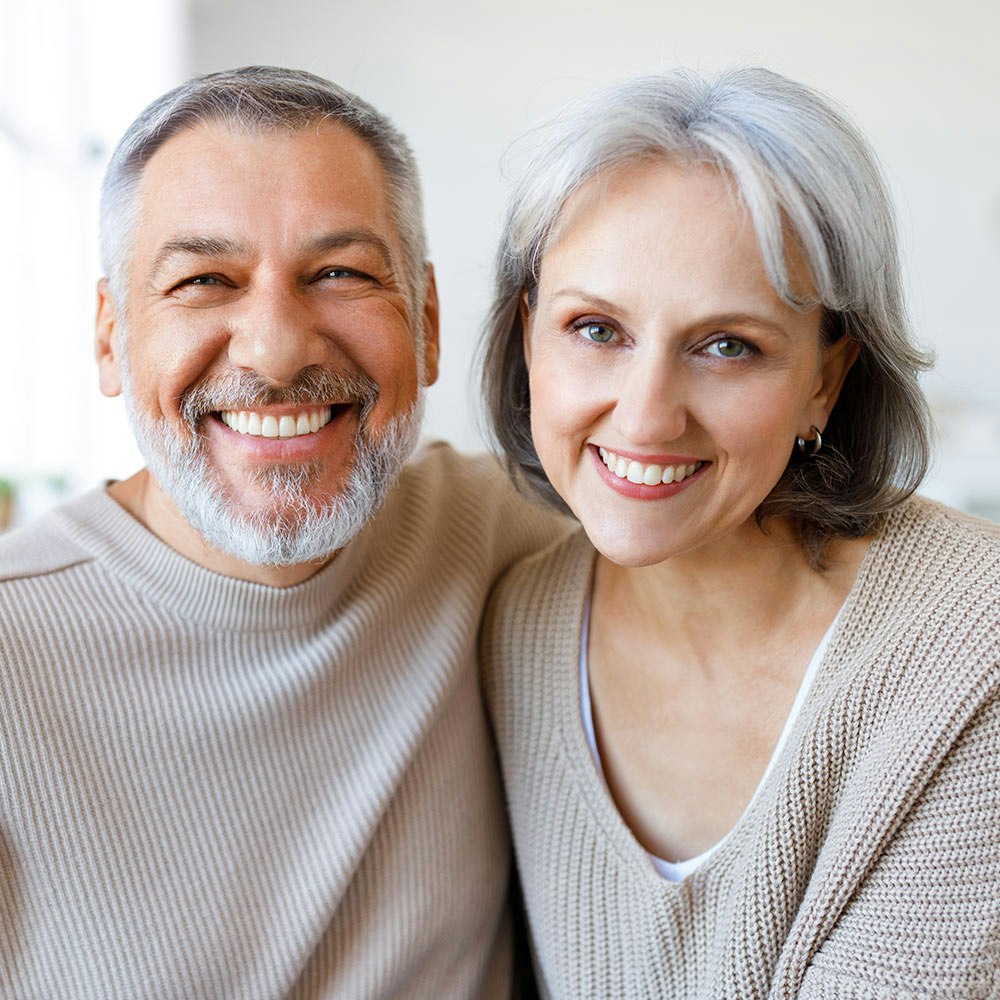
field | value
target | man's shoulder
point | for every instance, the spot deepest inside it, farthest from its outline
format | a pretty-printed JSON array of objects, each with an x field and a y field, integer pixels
[
  {"x": 437, "y": 464},
  {"x": 449, "y": 484},
  {"x": 464, "y": 507},
  {"x": 39, "y": 548}
]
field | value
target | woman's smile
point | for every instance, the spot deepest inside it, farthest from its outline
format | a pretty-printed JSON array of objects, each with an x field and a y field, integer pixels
[{"x": 649, "y": 479}]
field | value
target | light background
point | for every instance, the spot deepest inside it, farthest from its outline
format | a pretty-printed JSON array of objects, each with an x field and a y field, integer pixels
[{"x": 464, "y": 81}]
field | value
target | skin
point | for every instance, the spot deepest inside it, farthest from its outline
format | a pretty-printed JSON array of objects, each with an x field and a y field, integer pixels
[
  {"x": 656, "y": 334},
  {"x": 268, "y": 253}
]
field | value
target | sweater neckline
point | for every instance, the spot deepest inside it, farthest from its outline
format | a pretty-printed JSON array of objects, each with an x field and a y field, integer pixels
[
  {"x": 129, "y": 550},
  {"x": 603, "y": 809}
]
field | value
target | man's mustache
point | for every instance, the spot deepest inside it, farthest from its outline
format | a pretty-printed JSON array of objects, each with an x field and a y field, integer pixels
[{"x": 246, "y": 390}]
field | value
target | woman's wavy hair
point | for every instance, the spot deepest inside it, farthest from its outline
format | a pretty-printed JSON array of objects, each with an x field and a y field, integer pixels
[{"x": 803, "y": 171}]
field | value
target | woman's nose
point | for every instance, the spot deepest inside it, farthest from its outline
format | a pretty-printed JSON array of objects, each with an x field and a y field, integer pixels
[
  {"x": 650, "y": 409},
  {"x": 276, "y": 335}
]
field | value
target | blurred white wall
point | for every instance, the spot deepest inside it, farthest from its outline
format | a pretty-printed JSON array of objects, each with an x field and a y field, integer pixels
[
  {"x": 73, "y": 74},
  {"x": 464, "y": 80}
]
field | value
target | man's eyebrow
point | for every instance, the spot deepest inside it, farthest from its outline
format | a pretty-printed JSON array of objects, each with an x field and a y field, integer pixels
[
  {"x": 344, "y": 238},
  {"x": 213, "y": 246},
  {"x": 197, "y": 246}
]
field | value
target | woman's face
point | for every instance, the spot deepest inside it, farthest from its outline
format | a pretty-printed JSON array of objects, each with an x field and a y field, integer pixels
[{"x": 668, "y": 379}]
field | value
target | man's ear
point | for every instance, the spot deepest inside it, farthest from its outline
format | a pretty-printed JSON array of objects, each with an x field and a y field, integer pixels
[
  {"x": 106, "y": 349},
  {"x": 431, "y": 320},
  {"x": 524, "y": 311},
  {"x": 837, "y": 362}
]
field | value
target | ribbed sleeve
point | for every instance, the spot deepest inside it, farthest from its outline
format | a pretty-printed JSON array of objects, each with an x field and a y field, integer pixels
[
  {"x": 869, "y": 863},
  {"x": 211, "y": 788}
]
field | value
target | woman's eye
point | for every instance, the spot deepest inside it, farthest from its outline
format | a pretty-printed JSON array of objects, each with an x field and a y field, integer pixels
[
  {"x": 597, "y": 333},
  {"x": 728, "y": 348}
]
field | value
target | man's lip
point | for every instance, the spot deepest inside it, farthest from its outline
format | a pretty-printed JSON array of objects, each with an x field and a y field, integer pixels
[
  {"x": 282, "y": 421},
  {"x": 283, "y": 409},
  {"x": 300, "y": 447}
]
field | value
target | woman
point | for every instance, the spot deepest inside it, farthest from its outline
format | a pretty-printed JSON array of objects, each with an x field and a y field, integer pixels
[{"x": 748, "y": 715}]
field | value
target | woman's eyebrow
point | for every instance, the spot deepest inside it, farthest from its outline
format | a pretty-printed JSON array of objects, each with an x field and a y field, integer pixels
[
  {"x": 713, "y": 319},
  {"x": 581, "y": 293}
]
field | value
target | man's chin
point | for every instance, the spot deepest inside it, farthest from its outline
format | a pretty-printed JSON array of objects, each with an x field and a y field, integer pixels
[
  {"x": 289, "y": 514},
  {"x": 288, "y": 529}
]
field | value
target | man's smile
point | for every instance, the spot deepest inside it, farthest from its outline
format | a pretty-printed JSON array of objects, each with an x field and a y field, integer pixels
[
  {"x": 292, "y": 432},
  {"x": 278, "y": 425}
]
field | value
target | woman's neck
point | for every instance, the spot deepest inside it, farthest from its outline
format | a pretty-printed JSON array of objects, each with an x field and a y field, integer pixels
[
  {"x": 694, "y": 665},
  {"x": 753, "y": 588}
]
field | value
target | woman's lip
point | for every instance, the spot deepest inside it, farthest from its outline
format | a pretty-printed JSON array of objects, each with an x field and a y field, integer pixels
[
  {"x": 655, "y": 459},
  {"x": 641, "y": 491}
]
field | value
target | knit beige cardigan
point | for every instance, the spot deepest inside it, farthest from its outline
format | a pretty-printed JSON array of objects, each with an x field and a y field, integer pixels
[{"x": 869, "y": 864}]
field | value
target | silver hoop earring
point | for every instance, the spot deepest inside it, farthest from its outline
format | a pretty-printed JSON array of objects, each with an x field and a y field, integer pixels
[{"x": 810, "y": 448}]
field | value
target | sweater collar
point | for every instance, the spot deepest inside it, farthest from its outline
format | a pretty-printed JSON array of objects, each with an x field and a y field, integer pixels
[{"x": 126, "y": 548}]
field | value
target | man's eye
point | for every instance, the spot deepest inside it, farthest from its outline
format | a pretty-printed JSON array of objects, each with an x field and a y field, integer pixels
[
  {"x": 340, "y": 273},
  {"x": 596, "y": 333},
  {"x": 728, "y": 348}
]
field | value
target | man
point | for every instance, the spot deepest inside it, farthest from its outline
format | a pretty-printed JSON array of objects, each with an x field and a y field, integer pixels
[{"x": 242, "y": 752}]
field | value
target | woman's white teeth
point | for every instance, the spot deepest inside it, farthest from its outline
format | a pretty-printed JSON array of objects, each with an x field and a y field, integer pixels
[
  {"x": 270, "y": 426},
  {"x": 648, "y": 475}
]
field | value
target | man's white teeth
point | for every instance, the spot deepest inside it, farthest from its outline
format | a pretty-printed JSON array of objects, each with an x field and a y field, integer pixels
[
  {"x": 649, "y": 475},
  {"x": 270, "y": 426}
]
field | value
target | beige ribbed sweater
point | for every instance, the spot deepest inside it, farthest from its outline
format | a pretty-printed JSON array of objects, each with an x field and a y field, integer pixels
[
  {"x": 869, "y": 864},
  {"x": 211, "y": 788}
]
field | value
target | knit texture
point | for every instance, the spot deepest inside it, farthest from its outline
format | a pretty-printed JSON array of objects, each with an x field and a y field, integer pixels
[
  {"x": 869, "y": 864},
  {"x": 211, "y": 788}
]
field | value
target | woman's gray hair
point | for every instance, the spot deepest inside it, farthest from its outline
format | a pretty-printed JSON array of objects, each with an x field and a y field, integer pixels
[
  {"x": 803, "y": 172},
  {"x": 259, "y": 99}
]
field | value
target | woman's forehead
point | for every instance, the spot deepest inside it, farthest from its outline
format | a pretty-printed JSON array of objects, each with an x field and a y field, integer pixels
[{"x": 692, "y": 208}]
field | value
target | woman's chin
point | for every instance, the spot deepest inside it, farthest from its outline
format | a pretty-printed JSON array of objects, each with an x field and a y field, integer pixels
[{"x": 625, "y": 549}]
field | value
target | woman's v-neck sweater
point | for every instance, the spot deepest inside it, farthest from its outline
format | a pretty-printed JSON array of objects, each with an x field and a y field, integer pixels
[{"x": 868, "y": 865}]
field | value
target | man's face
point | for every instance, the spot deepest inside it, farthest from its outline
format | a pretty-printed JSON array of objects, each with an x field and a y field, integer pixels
[{"x": 264, "y": 340}]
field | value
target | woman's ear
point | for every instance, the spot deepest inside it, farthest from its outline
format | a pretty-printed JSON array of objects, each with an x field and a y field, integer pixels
[
  {"x": 837, "y": 361},
  {"x": 106, "y": 349}
]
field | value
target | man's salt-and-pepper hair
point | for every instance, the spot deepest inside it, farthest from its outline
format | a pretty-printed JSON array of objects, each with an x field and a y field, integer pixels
[
  {"x": 259, "y": 99},
  {"x": 803, "y": 172}
]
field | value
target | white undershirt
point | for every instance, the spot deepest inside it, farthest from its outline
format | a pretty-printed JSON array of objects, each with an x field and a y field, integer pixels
[{"x": 677, "y": 871}]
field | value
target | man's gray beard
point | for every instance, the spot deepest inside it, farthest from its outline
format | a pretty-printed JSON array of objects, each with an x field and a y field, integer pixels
[{"x": 297, "y": 527}]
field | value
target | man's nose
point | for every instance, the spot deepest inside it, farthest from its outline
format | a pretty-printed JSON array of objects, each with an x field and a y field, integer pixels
[
  {"x": 276, "y": 334},
  {"x": 651, "y": 409}
]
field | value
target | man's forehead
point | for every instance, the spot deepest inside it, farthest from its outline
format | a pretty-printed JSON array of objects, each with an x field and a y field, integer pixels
[
  {"x": 224, "y": 134},
  {"x": 315, "y": 179}
]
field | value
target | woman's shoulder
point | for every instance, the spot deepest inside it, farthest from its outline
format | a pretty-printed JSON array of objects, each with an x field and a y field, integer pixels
[
  {"x": 929, "y": 541},
  {"x": 924, "y": 617},
  {"x": 933, "y": 515}
]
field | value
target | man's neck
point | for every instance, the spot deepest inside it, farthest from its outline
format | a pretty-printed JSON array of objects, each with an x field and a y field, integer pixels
[{"x": 142, "y": 497}]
